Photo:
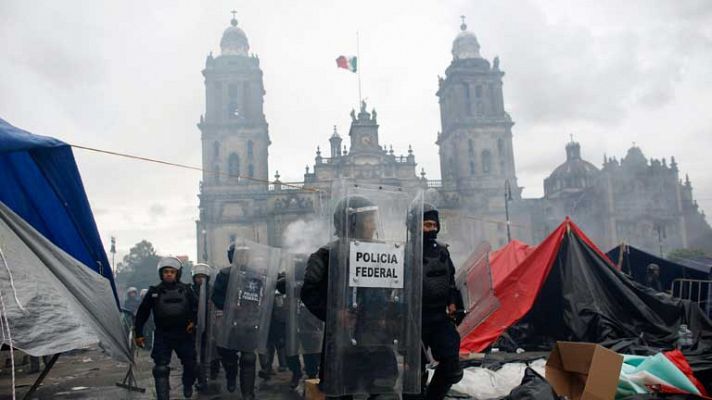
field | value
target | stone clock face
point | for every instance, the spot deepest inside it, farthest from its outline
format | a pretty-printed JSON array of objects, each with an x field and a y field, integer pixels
[{"x": 366, "y": 140}]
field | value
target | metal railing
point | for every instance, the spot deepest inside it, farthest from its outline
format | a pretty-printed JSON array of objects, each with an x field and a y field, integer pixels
[{"x": 696, "y": 290}]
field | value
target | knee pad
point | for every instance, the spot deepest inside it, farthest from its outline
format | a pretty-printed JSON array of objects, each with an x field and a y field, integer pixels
[
  {"x": 450, "y": 371},
  {"x": 161, "y": 371}
]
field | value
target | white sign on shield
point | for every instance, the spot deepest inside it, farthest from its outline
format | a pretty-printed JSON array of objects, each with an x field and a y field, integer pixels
[{"x": 376, "y": 265}]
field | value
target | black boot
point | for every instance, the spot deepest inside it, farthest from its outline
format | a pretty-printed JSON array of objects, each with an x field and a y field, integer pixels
[
  {"x": 248, "y": 368},
  {"x": 161, "y": 374}
]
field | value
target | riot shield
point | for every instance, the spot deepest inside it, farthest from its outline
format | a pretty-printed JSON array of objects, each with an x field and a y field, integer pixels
[
  {"x": 204, "y": 340},
  {"x": 305, "y": 331},
  {"x": 373, "y": 324},
  {"x": 249, "y": 297},
  {"x": 474, "y": 280}
]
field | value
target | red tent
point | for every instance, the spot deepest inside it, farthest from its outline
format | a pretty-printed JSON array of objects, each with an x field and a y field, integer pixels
[{"x": 518, "y": 274}]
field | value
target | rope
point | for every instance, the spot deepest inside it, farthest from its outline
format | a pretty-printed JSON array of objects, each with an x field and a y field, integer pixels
[
  {"x": 190, "y": 167},
  {"x": 240, "y": 177},
  {"x": 12, "y": 282}
]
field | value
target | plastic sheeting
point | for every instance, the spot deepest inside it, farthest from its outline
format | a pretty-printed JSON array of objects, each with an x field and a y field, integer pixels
[
  {"x": 53, "y": 302},
  {"x": 639, "y": 372},
  {"x": 483, "y": 383},
  {"x": 41, "y": 184}
]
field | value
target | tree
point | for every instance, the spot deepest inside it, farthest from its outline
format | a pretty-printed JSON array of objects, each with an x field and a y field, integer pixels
[{"x": 138, "y": 268}]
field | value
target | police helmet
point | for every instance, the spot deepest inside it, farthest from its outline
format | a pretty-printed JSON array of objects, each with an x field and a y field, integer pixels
[
  {"x": 201, "y": 269},
  {"x": 170, "y": 262},
  {"x": 347, "y": 212}
]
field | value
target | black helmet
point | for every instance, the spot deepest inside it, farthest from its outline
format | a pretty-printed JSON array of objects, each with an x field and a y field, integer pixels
[
  {"x": 230, "y": 252},
  {"x": 347, "y": 212},
  {"x": 430, "y": 213}
]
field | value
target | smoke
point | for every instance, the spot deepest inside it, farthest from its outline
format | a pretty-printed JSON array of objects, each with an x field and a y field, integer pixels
[{"x": 306, "y": 236}]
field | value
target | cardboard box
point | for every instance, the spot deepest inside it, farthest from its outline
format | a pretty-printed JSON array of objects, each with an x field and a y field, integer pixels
[
  {"x": 583, "y": 371},
  {"x": 311, "y": 390}
]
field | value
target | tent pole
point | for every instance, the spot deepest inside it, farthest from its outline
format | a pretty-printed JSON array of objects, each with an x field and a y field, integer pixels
[
  {"x": 40, "y": 378},
  {"x": 130, "y": 383}
]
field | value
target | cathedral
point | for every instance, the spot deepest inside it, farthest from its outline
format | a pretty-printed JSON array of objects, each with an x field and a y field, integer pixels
[{"x": 635, "y": 200}]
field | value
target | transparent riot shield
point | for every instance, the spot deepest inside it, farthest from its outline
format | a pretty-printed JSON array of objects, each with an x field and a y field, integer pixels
[
  {"x": 372, "y": 341},
  {"x": 214, "y": 323},
  {"x": 249, "y": 297},
  {"x": 305, "y": 331},
  {"x": 474, "y": 280},
  {"x": 204, "y": 340}
]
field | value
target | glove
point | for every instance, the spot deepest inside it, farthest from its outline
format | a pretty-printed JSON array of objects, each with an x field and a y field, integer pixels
[
  {"x": 190, "y": 328},
  {"x": 140, "y": 341}
]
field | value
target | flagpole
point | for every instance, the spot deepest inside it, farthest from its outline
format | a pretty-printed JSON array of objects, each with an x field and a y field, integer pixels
[{"x": 358, "y": 67}]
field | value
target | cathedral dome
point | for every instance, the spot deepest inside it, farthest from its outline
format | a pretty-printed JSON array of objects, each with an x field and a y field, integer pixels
[
  {"x": 234, "y": 41},
  {"x": 465, "y": 45},
  {"x": 634, "y": 158},
  {"x": 574, "y": 175}
]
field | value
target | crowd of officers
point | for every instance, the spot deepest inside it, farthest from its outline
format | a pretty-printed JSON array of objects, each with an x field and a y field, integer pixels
[{"x": 177, "y": 314}]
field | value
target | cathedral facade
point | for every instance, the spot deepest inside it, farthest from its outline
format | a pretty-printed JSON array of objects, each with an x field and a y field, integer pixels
[{"x": 635, "y": 200}]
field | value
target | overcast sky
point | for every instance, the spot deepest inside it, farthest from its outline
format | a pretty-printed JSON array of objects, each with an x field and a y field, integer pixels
[{"x": 125, "y": 76}]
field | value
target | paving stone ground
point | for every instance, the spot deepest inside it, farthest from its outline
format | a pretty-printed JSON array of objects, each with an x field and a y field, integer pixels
[{"x": 90, "y": 374}]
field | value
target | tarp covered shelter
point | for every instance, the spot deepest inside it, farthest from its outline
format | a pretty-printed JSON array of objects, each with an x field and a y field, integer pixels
[
  {"x": 40, "y": 182},
  {"x": 55, "y": 280},
  {"x": 568, "y": 289},
  {"x": 635, "y": 262},
  {"x": 53, "y": 303}
]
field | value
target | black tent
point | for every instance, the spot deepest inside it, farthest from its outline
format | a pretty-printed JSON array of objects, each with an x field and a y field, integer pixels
[
  {"x": 585, "y": 298},
  {"x": 635, "y": 262}
]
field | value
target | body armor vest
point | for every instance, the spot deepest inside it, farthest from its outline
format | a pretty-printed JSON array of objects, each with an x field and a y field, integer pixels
[
  {"x": 436, "y": 277},
  {"x": 172, "y": 307}
]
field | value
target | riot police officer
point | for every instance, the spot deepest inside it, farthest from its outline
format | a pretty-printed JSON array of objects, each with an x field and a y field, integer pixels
[
  {"x": 371, "y": 368},
  {"x": 442, "y": 307},
  {"x": 236, "y": 255},
  {"x": 174, "y": 308}
]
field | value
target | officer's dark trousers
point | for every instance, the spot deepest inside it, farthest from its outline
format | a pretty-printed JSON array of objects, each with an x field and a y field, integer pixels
[
  {"x": 441, "y": 337},
  {"x": 183, "y": 343},
  {"x": 311, "y": 364},
  {"x": 247, "y": 367}
]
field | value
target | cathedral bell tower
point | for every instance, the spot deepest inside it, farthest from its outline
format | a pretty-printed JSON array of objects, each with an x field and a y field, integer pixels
[
  {"x": 235, "y": 143},
  {"x": 475, "y": 143},
  {"x": 234, "y": 130}
]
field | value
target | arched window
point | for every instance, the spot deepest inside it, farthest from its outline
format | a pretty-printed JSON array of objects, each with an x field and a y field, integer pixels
[
  {"x": 468, "y": 103},
  {"x": 500, "y": 146},
  {"x": 232, "y": 111},
  {"x": 233, "y": 166},
  {"x": 251, "y": 171},
  {"x": 216, "y": 150},
  {"x": 486, "y": 162},
  {"x": 470, "y": 147},
  {"x": 472, "y": 167},
  {"x": 250, "y": 149}
]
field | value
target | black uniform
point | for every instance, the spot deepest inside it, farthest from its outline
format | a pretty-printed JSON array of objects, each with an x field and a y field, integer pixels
[
  {"x": 174, "y": 307},
  {"x": 372, "y": 364},
  {"x": 230, "y": 358},
  {"x": 439, "y": 332}
]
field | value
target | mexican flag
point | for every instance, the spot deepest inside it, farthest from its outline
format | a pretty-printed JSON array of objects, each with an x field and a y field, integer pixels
[{"x": 347, "y": 62}]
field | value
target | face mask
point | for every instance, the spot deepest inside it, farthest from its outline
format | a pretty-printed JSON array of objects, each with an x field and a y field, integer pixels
[{"x": 430, "y": 236}]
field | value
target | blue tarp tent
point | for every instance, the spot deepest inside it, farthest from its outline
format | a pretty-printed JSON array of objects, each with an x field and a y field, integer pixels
[{"x": 40, "y": 182}]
